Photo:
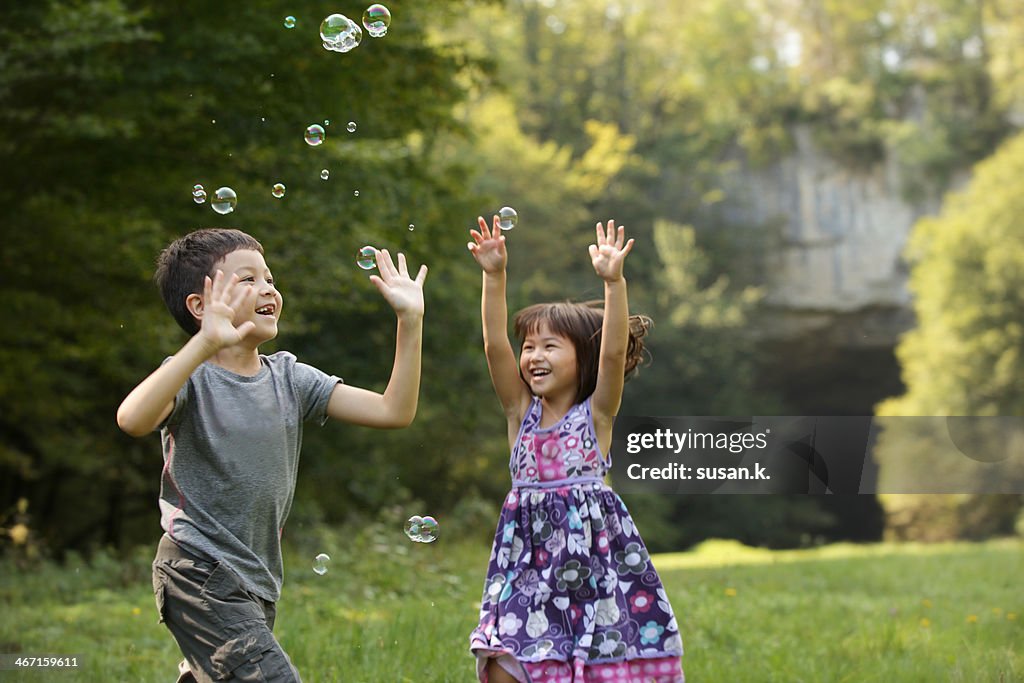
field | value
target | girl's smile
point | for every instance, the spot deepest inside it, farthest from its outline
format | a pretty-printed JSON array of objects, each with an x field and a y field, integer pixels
[{"x": 548, "y": 362}]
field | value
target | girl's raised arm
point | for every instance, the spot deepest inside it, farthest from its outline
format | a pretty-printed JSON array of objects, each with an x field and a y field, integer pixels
[
  {"x": 608, "y": 256},
  {"x": 488, "y": 248}
]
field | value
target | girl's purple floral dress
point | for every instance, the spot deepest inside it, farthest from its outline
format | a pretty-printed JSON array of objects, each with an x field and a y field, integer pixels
[{"x": 571, "y": 595}]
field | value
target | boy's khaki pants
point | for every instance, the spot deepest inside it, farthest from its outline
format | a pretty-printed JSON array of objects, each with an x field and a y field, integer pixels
[{"x": 224, "y": 631}]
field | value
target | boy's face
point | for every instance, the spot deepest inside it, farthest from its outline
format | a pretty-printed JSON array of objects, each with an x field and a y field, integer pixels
[{"x": 252, "y": 271}]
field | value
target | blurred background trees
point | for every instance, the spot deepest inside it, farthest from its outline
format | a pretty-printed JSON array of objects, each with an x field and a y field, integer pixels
[{"x": 572, "y": 111}]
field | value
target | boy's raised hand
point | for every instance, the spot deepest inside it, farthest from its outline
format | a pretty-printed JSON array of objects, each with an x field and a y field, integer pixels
[
  {"x": 488, "y": 247},
  {"x": 404, "y": 294},
  {"x": 609, "y": 254},
  {"x": 222, "y": 300}
]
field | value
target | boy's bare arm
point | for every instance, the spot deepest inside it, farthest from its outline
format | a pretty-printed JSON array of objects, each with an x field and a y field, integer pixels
[
  {"x": 396, "y": 407},
  {"x": 152, "y": 400}
]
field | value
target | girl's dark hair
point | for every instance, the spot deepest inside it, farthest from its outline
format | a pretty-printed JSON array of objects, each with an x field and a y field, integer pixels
[
  {"x": 181, "y": 267},
  {"x": 581, "y": 324}
]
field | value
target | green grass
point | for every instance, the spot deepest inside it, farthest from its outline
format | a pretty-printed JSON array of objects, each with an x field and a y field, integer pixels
[{"x": 397, "y": 611}]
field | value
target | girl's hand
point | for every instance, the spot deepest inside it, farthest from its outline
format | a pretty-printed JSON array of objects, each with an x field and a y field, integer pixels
[
  {"x": 404, "y": 294},
  {"x": 222, "y": 301},
  {"x": 488, "y": 247},
  {"x": 609, "y": 254}
]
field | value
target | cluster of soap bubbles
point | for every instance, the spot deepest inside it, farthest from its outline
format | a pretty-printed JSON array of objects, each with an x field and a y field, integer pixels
[
  {"x": 341, "y": 34},
  {"x": 421, "y": 529},
  {"x": 320, "y": 563}
]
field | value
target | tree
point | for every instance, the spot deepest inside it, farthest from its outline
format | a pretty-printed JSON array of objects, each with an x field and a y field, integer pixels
[
  {"x": 112, "y": 110},
  {"x": 966, "y": 355}
]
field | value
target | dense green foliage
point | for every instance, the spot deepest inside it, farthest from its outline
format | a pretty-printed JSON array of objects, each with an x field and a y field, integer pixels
[
  {"x": 966, "y": 355},
  {"x": 572, "y": 111},
  {"x": 111, "y": 112}
]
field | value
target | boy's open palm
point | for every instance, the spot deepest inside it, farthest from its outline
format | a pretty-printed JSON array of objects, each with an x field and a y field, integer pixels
[
  {"x": 404, "y": 294},
  {"x": 488, "y": 247},
  {"x": 609, "y": 254},
  {"x": 223, "y": 298}
]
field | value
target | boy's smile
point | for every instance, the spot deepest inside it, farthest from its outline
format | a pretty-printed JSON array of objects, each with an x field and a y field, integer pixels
[{"x": 252, "y": 271}]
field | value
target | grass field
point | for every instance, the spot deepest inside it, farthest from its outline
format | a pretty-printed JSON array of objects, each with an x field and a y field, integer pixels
[{"x": 397, "y": 611}]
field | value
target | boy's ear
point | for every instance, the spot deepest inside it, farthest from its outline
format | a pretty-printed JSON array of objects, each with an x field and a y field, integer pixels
[{"x": 194, "y": 304}]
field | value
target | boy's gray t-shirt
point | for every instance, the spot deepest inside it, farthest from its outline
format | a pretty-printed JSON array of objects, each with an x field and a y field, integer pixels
[{"x": 231, "y": 455}]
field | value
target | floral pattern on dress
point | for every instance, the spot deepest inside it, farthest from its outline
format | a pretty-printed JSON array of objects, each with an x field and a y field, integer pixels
[{"x": 571, "y": 594}]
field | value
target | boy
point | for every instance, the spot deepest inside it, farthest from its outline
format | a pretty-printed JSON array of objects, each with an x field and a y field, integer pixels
[{"x": 230, "y": 421}]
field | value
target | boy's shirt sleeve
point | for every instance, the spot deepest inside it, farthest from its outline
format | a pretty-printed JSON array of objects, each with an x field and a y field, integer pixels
[
  {"x": 181, "y": 399},
  {"x": 313, "y": 388}
]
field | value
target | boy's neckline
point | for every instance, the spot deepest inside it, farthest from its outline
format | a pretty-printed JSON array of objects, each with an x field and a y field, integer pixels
[{"x": 232, "y": 371}]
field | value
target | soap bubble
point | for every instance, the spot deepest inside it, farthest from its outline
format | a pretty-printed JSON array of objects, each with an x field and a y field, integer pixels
[
  {"x": 320, "y": 563},
  {"x": 198, "y": 193},
  {"x": 340, "y": 33},
  {"x": 315, "y": 135},
  {"x": 507, "y": 218},
  {"x": 356, "y": 193},
  {"x": 428, "y": 530},
  {"x": 412, "y": 527},
  {"x": 376, "y": 20},
  {"x": 421, "y": 529},
  {"x": 325, "y": 174},
  {"x": 351, "y": 126},
  {"x": 278, "y": 190},
  {"x": 289, "y": 22},
  {"x": 224, "y": 200},
  {"x": 327, "y": 122},
  {"x": 366, "y": 258},
  {"x": 412, "y": 226}
]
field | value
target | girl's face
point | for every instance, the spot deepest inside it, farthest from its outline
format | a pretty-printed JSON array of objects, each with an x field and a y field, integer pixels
[{"x": 548, "y": 363}]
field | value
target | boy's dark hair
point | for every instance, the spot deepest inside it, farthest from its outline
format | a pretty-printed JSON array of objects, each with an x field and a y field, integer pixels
[
  {"x": 181, "y": 267},
  {"x": 581, "y": 324}
]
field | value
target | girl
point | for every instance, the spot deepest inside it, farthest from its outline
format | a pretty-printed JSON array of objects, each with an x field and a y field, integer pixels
[{"x": 571, "y": 595}]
